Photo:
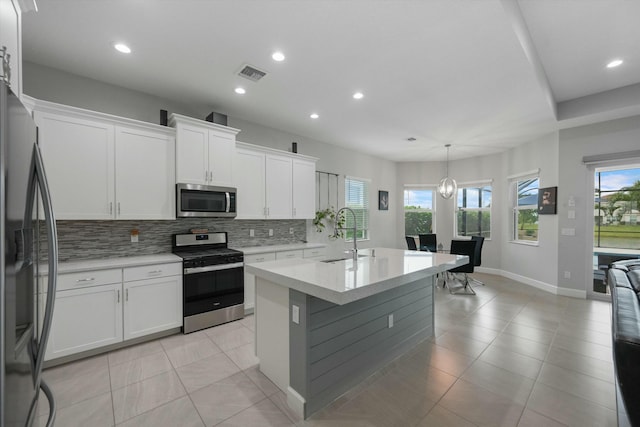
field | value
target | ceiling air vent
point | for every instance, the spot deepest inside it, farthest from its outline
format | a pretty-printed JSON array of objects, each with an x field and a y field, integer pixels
[{"x": 251, "y": 73}]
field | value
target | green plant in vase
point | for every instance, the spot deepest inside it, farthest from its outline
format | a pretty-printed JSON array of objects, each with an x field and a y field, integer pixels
[{"x": 327, "y": 217}]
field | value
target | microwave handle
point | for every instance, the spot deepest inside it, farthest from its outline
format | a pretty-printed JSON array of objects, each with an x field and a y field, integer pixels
[{"x": 228, "y": 201}]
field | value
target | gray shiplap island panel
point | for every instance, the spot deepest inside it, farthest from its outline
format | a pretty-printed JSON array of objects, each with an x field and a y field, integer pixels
[{"x": 335, "y": 347}]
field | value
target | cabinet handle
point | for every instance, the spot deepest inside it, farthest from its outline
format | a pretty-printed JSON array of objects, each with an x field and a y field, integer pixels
[
  {"x": 118, "y": 291},
  {"x": 268, "y": 212},
  {"x": 118, "y": 208},
  {"x": 88, "y": 279},
  {"x": 126, "y": 294},
  {"x": 110, "y": 208},
  {"x": 294, "y": 212},
  {"x": 155, "y": 272}
]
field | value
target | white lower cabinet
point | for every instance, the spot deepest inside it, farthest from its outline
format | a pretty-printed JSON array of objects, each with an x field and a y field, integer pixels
[
  {"x": 85, "y": 319},
  {"x": 90, "y": 313},
  {"x": 152, "y": 305}
]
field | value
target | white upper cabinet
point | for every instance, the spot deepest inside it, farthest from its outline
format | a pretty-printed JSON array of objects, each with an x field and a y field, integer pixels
[
  {"x": 78, "y": 156},
  {"x": 145, "y": 179},
  {"x": 104, "y": 167},
  {"x": 304, "y": 189},
  {"x": 11, "y": 12},
  {"x": 204, "y": 151},
  {"x": 274, "y": 184}
]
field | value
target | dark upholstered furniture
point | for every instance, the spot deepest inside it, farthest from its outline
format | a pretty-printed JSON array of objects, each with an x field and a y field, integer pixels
[
  {"x": 478, "y": 255},
  {"x": 411, "y": 243},
  {"x": 468, "y": 248},
  {"x": 428, "y": 242},
  {"x": 624, "y": 282}
]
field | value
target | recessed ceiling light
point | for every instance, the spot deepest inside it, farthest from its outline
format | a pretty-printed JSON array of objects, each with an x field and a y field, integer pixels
[
  {"x": 615, "y": 63},
  {"x": 240, "y": 91},
  {"x": 278, "y": 56},
  {"x": 121, "y": 47},
  {"x": 314, "y": 115},
  {"x": 358, "y": 95}
]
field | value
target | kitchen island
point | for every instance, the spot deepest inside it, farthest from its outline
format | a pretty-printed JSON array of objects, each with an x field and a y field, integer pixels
[{"x": 324, "y": 326}]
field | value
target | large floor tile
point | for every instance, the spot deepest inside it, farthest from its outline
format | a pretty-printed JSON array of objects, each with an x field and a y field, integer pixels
[
  {"x": 587, "y": 387},
  {"x": 234, "y": 338},
  {"x": 192, "y": 352},
  {"x": 77, "y": 368},
  {"x": 514, "y": 362},
  {"x": 134, "y": 352},
  {"x": 178, "y": 413},
  {"x": 461, "y": 344},
  {"x": 95, "y": 412},
  {"x": 499, "y": 381},
  {"x": 533, "y": 419},
  {"x": 224, "y": 328},
  {"x": 262, "y": 414},
  {"x": 441, "y": 417},
  {"x": 75, "y": 389},
  {"x": 530, "y": 333},
  {"x": 206, "y": 371},
  {"x": 583, "y": 364},
  {"x": 520, "y": 345},
  {"x": 569, "y": 409},
  {"x": 181, "y": 339},
  {"x": 444, "y": 359},
  {"x": 481, "y": 406},
  {"x": 259, "y": 379},
  {"x": 584, "y": 348},
  {"x": 143, "y": 396},
  {"x": 225, "y": 398},
  {"x": 244, "y": 356},
  {"x": 139, "y": 369}
]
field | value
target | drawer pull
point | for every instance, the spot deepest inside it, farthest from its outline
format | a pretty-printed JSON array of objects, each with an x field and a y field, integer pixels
[
  {"x": 88, "y": 279},
  {"x": 155, "y": 272},
  {"x": 259, "y": 259}
]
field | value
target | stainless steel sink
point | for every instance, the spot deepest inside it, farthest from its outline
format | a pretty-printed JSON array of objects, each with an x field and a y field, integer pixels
[{"x": 344, "y": 258}]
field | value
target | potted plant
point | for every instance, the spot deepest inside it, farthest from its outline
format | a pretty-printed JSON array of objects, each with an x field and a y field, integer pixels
[{"x": 326, "y": 217}]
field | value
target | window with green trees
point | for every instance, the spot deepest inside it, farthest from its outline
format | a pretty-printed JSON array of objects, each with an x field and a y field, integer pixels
[
  {"x": 525, "y": 209},
  {"x": 473, "y": 213},
  {"x": 617, "y": 208},
  {"x": 419, "y": 211}
]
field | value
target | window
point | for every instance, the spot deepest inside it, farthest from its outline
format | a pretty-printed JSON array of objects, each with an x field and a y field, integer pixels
[
  {"x": 473, "y": 215},
  {"x": 356, "y": 193},
  {"x": 525, "y": 209},
  {"x": 419, "y": 211},
  {"x": 617, "y": 208}
]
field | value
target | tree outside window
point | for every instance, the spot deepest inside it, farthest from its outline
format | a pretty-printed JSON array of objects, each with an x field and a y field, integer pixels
[
  {"x": 419, "y": 212},
  {"x": 617, "y": 208},
  {"x": 473, "y": 214},
  {"x": 525, "y": 210}
]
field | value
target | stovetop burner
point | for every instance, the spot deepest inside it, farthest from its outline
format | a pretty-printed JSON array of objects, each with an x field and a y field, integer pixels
[
  {"x": 201, "y": 250},
  {"x": 205, "y": 253}
]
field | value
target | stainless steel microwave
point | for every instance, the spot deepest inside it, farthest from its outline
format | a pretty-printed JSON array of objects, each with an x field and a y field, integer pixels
[{"x": 193, "y": 200}]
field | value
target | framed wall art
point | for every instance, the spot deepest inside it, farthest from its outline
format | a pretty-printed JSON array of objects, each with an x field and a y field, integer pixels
[{"x": 547, "y": 198}]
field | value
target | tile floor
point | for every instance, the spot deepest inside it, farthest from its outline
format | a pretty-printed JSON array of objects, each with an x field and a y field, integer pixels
[{"x": 509, "y": 356}]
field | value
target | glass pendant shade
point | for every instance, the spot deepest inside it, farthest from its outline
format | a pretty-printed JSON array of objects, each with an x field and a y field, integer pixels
[{"x": 447, "y": 186}]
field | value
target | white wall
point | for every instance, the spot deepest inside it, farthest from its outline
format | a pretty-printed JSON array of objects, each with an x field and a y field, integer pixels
[{"x": 576, "y": 179}]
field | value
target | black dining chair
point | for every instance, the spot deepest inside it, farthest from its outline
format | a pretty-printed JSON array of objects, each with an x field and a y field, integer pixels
[
  {"x": 428, "y": 242},
  {"x": 478, "y": 255},
  {"x": 411, "y": 243},
  {"x": 468, "y": 248}
]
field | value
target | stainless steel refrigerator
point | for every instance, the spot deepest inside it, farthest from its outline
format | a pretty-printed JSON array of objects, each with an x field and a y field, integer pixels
[{"x": 28, "y": 235}]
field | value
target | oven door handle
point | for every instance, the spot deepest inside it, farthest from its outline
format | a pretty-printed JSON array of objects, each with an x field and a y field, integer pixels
[{"x": 208, "y": 268}]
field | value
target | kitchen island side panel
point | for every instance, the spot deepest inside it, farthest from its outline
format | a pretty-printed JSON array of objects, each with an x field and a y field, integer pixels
[{"x": 335, "y": 347}]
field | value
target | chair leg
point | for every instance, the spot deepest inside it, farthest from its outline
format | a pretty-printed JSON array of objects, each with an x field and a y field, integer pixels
[
  {"x": 466, "y": 288},
  {"x": 477, "y": 281}
]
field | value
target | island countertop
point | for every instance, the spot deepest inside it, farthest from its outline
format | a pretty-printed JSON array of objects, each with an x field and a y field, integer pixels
[{"x": 345, "y": 281}]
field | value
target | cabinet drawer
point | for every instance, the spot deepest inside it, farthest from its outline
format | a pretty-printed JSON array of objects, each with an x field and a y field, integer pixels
[
  {"x": 309, "y": 253},
  {"x": 270, "y": 256},
  {"x": 289, "y": 254},
  {"x": 151, "y": 271},
  {"x": 84, "y": 279}
]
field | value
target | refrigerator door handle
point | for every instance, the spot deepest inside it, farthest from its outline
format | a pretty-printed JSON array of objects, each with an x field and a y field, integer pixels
[{"x": 37, "y": 177}]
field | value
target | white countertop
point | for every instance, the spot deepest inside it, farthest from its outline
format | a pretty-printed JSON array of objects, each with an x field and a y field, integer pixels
[
  {"x": 342, "y": 282},
  {"x": 253, "y": 250},
  {"x": 103, "y": 264}
]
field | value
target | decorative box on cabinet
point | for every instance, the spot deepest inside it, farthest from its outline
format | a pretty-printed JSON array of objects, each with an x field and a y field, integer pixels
[
  {"x": 105, "y": 167},
  {"x": 204, "y": 151},
  {"x": 274, "y": 184}
]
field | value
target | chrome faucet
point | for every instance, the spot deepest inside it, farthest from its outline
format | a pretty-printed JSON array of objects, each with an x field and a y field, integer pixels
[{"x": 355, "y": 230}]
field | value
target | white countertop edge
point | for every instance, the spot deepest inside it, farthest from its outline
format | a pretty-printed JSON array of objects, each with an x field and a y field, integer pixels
[
  {"x": 254, "y": 250},
  {"x": 345, "y": 297},
  {"x": 107, "y": 263}
]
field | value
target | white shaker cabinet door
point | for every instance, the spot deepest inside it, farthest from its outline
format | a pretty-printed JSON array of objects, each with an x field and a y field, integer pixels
[
  {"x": 192, "y": 155},
  {"x": 249, "y": 181},
  {"x": 84, "y": 319},
  {"x": 250, "y": 279},
  {"x": 78, "y": 156},
  {"x": 145, "y": 174},
  {"x": 221, "y": 158},
  {"x": 152, "y": 305},
  {"x": 278, "y": 186},
  {"x": 304, "y": 189}
]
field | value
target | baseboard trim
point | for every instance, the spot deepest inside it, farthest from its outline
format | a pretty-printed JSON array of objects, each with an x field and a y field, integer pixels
[
  {"x": 296, "y": 402},
  {"x": 547, "y": 287}
]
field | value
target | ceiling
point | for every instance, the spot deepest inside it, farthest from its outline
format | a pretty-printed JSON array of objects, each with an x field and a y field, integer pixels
[{"x": 482, "y": 75}]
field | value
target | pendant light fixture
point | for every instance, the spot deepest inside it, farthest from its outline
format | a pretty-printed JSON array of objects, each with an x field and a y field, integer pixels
[{"x": 448, "y": 186}]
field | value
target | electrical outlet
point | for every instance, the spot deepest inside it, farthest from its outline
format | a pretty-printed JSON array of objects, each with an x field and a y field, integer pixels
[
  {"x": 252, "y": 232},
  {"x": 390, "y": 320},
  {"x": 271, "y": 232},
  {"x": 571, "y": 214},
  {"x": 567, "y": 275},
  {"x": 295, "y": 314},
  {"x": 134, "y": 235},
  {"x": 290, "y": 230}
]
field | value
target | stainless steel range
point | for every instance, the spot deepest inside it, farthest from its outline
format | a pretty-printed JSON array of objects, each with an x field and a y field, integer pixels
[{"x": 213, "y": 280}]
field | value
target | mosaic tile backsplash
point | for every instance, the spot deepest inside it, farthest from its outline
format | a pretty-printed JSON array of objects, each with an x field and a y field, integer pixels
[{"x": 79, "y": 240}]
